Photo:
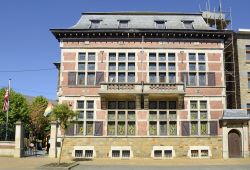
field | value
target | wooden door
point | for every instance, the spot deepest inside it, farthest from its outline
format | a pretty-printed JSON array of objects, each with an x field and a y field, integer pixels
[{"x": 234, "y": 144}]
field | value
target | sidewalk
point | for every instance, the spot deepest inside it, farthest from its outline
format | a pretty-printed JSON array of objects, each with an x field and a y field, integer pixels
[
  {"x": 28, "y": 163},
  {"x": 10, "y": 163},
  {"x": 168, "y": 162}
]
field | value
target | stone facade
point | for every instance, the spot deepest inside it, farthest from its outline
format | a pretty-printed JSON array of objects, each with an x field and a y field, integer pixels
[
  {"x": 141, "y": 146},
  {"x": 175, "y": 81}
]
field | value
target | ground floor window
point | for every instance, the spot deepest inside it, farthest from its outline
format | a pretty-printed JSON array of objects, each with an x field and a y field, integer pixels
[
  {"x": 121, "y": 152},
  {"x": 161, "y": 152}
]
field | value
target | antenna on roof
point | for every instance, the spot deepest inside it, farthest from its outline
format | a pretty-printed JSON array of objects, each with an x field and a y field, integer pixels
[{"x": 208, "y": 2}]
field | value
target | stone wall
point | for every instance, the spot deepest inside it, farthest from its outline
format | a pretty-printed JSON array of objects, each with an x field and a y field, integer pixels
[
  {"x": 7, "y": 148},
  {"x": 142, "y": 146}
]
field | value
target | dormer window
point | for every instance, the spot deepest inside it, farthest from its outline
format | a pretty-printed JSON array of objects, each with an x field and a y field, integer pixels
[
  {"x": 95, "y": 24},
  {"x": 188, "y": 24},
  {"x": 123, "y": 24},
  {"x": 160, "y": 24}
]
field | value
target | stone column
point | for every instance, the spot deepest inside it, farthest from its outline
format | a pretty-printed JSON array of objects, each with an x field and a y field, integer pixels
[
  {"x": 53, "y": 140},
  {"x": 225, "y": 141},
  {"x": 19, "y": 140},
  {"x": 138, "y": 102},
  {"x": 245, "y": 141},
  {"x": 146, "y": 102}
]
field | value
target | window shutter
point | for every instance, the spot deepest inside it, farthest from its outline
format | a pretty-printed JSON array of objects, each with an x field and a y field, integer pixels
[
  {"x": 99, "y": 77},
  {"x": 213, "y": 128},
  {"x": 184, "y": 78},
  {"x": 71, "y": 78},
  {"x": 185, "y": 128},
  {"x": 98, "y": 128},
  {"x": 211, "y": 79}
]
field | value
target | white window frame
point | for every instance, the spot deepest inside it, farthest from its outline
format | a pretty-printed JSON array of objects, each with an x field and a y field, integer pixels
[
  {"x": 199, "y": 148},
  {"x": 84, "y": 149},
  {"x": 163, "y": 149},
  {"x": 121, "y": 148}
]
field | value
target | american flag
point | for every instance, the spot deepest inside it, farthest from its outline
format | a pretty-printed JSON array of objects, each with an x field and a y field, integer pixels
[{"x": 6, "y": 101}]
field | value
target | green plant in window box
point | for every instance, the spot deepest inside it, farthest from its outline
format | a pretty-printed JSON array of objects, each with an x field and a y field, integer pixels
[
  {"x": 89, "y": 129},
  {"x": 121, "y": 129},
  {"x": 153, "y": 129},
  {"x": 131, "y": 129},
  {"x": 172, "y": 129},
  {"x": 204, "y": 129},
  {"x": 111, "y": 129}
]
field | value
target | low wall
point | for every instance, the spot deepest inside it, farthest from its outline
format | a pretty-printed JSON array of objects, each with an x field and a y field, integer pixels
[
  {"x": 142, "y": 146},
  {"x": 7, "y": 148}
]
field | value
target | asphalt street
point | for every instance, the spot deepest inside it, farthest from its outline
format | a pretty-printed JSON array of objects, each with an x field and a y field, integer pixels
[{"x": 123, "y": 167}]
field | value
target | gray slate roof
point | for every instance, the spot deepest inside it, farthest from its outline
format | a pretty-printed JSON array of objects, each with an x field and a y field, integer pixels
[
  {"x": 235, "y": 114},
  {"x": 141, "y": 20}
]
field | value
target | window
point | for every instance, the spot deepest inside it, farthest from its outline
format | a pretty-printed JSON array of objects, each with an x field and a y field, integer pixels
[
  {"x": 248, "y": 109},
  {"x": 192, "y": 66},
  {"x": 202, "y": 67},
  {"x": 80, "y": 104},
  {"x": 162, "y": 77},
  {"x": 131, "y": 56},
  {"x": 162, "y": 66},
  {"x": 121, "y": 152},
  {"x": 152, "y": 66},
  {"x": 248, "y": 52},
  {"x": 201, "y": 56},
  {"x": 91, "y": 66},
  {"x": 91, "y": 56},
  {"x": 160, "y": 24},
  {"x": 202, "y": 79},
  {"x": 112, "y": 77},
  {"x": 162, "y": 57},
  {"x": 121, "y": 77},
  {"x": 78, "y": 153},
  {"x": 81, "y": 56},
  {"x": 121, "y": 56},
  {"x": 81, "y": 78},
  {"x": 121, "y": 66},
  {"x": 192, "y": 79},
  {"x": 95, "y": 24},
  {"x": 121, "y": 122},
  {"x": 123, "y": 24},
  {"x": 91, "y": 79},
  {"x": 161, "y": 152},
  {"x": 131, "y": 77},
  {"x": 188, "y": 24},
  {"x": 152, "y": 56},
  {"x": 171, "y": 78},
  {"x": 192, "y": 57},
  {"x": 171, "y": 66},
  {"x": 199, "y": 152},
  {"x": 112, "y": 66},
  {"x": 81, "y": 66},
  {"x": 171, "y": 56},
  {"x": 112, "y": 56},
  {"x": 152, "y": 77},
  {"x": 248, "y": 75},
  {"x": 84, "y": 124},
  {"x": 131, "y": 66},
  {"x": 198, "y": 116},
  {"x": 162, "y": 118}
]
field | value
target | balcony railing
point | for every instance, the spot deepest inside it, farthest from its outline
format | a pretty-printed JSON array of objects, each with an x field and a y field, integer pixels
[{"x": 139, "y": 88}]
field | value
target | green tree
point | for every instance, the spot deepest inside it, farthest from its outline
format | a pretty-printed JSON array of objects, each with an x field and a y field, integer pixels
[
  {"x": 39, "y": 122},
  {"x": 18, "y": 109},
  {"x": 62, "y": 113}
]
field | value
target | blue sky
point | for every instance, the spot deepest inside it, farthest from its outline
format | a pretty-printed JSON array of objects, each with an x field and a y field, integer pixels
[{"x": 26, "y": 42}]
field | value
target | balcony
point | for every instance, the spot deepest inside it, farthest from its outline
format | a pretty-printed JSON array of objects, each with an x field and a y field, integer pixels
[{"x": 141, "y": 88}]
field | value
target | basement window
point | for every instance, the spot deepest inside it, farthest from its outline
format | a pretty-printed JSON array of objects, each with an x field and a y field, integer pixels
[
  {"x": 162, "y": 152},
  {"x": 199, "y": 152},
  {"x": 95, "y": 24},
  {"x": 115, "y": 153},
  {"x": 123, "y": 24},
  {"x": 121, "y": 152},
  {"x": 78, "y": 153},
  {"x": 188, "y": 24},
  {"x": 194, "y": 153},
  {"x": 160, "y": 24}
]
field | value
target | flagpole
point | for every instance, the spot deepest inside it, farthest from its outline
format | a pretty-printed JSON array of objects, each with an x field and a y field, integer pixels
[{"x": 7, "y": 114}]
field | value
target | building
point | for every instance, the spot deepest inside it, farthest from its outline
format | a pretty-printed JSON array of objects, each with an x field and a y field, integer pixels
[{"x": 150, "y": 84}]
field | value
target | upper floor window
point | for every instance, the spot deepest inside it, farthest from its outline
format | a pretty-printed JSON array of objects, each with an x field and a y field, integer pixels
[
  {"x": 160, "y": 24},
  {"x": 248, "y": 52},
  {"x": 123, "y": 24},
  {"x": 81, "y": 56},
  {"x": 188, "y": 24},
  {"x": 95, "y": 24}
]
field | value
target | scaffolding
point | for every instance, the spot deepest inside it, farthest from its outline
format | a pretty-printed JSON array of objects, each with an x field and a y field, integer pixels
[{"x": 221, "y": 21}]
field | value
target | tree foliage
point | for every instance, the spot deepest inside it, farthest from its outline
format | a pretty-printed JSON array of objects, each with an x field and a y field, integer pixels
[
  {"x": 18, "y": 109},
  {"x": 62, "y": 113},
  {"x": 38, "y": 121}
]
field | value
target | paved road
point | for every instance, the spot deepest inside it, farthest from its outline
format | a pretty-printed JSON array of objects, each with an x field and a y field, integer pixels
[{"x": 123, "y": 167}]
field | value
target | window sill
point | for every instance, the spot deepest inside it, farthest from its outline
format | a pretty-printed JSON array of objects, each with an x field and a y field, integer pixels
[{"x": 82, "y": 86}]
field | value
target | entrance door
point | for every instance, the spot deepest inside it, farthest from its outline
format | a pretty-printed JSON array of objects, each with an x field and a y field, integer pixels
[{"x": 234, "y": 144}]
